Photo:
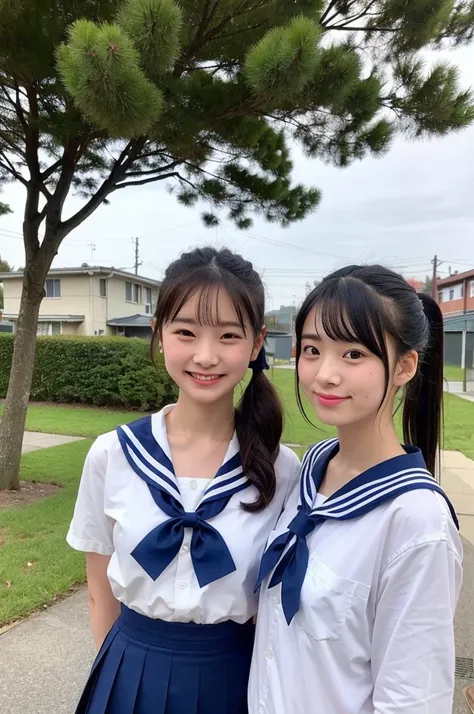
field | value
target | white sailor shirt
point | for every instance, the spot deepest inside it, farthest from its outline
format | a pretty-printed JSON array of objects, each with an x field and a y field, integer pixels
[
  {"x": 374, "y": 630},
  {"x": 117, "y": 510}
]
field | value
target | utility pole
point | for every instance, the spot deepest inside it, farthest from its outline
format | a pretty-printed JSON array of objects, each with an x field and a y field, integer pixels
[
  {"x": 136, "y": 241},
  {"x": 434, "y": 289},
  {"x": 92, "y": 247}
]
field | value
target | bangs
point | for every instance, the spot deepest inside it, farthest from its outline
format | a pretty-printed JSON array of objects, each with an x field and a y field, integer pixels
[
  {"x": 349, "y": 311},
  {"x": 208, "y": 285}
]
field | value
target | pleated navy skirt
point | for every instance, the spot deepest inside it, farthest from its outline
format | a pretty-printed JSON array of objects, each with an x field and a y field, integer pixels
[{"x": 150, "y": 666}]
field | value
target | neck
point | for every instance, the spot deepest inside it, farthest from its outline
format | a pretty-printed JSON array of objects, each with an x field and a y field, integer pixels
[
  {"x": 197, "y": 421},
  {"x": 364, "y": 445}
]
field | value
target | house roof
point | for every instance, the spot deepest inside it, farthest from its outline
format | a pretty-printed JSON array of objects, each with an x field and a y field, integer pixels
[
  {"x": 48, "y": 318},
  {"x": 455, "y": 279},
  {"x": 85, "y": 269},
  {"x": 138, "y": 320}
]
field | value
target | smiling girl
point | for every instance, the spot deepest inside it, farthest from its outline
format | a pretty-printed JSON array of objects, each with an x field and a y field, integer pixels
[
  {"x": 362, "y": 574},
  {"x": 174, "y": 510}
]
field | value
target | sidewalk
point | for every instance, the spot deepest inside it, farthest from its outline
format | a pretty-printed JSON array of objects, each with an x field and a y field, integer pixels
[
  {"x": 34, "y": 440},
  {"x": 44, "y": 660}
]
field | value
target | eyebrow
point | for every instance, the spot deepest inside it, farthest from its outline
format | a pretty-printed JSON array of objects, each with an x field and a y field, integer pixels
[
  {"x": 192, "y": 321},
  {"x": 310, "y": 336}
]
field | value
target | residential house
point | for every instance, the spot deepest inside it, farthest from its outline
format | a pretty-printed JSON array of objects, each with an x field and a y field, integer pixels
[
  {"x": 456, "y": 293},
  {"x": 456, "y": 300},
  {"x": 89, "y": 300}
]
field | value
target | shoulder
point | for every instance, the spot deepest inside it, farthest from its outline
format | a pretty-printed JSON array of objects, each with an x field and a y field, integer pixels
[
  {"x": 287, "y": 459},
  {"x": 105, "y": 447},
  {"x": 420, "y": 517}
]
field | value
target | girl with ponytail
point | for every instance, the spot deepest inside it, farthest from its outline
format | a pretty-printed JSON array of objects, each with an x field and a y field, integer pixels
[
  {"x": 361, "y": 576},
  {"x": 174, "y": 510}
]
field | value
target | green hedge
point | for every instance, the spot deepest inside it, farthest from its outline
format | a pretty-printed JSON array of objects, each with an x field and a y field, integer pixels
[{"x": 112, "y": 371}]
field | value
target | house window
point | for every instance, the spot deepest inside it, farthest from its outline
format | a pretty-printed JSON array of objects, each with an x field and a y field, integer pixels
[
  {"x": 53, "y": 288},
  {"x": 148, "y": 305},
  {"x": 103, "y": 287},
  {"x": 451, "y": 294},
  {"x": 472, "y": 288},
  {"x": 133, "y": 292},
  {"x": 462, "y": 290},
  {"x": 48, "y": 328},
  {"x": 440, "y": 296}
]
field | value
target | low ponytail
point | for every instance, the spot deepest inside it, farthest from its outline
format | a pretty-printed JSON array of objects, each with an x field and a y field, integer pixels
[
  {"x": 259, "y": 425},
  {"x": 423, "y": 409}
]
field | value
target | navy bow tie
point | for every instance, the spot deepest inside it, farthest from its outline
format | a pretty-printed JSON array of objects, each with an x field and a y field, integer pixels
[
  {"x": 210, "y": 555},
  {"x": 287, "y": 556}
]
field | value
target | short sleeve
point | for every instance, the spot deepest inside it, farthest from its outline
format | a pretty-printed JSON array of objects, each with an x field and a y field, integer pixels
[
  {"x": 294, "y": 474},
  {"x": 413, "y": 639},
  {"x": 91, "y": 530}
]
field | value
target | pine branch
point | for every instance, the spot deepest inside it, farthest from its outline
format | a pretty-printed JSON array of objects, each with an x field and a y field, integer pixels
[
  {"x": 47, "y": 173},
  {"x": 155, "y": 179},
  {"x": 327, "y": 11},
  {"x": 6, "y": 164},
  {"x": 362, "y": 29},
  {"x": 357, "y": 16},
  {"x": 167, "y": 167}
]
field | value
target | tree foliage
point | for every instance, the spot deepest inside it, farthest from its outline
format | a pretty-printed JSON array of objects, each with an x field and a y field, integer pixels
[{"x": 99, "y": 95}]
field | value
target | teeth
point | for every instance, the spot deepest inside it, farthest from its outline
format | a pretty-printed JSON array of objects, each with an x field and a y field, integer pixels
[{"x": 205, "y": 377}]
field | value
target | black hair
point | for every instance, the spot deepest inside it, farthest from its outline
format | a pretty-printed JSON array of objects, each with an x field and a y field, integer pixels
[
  {"x": 365, "y": 303},
  {"x": 258, "y": 416}
]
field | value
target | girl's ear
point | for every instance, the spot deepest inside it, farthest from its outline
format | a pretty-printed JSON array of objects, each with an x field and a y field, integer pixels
[
  {"x": 406, "y": 368},
  {"x": 258, "y": 343}
]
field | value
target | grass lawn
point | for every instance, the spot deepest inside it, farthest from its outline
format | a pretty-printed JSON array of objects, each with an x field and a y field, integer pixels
[
  {"x": 74, "y": 421},
  {"x": 453, "y": 374},
  {"x": 36, "y": 533}
]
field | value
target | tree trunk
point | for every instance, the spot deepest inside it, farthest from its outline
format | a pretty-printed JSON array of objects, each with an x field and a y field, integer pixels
[{"x": 14, "y": 416}]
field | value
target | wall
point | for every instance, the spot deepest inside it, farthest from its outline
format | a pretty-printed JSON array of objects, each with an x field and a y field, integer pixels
[
  {"x": 460, "y": 301},
  {"x": 80, "y": 295},
  {"x": 117, "y": 304},
  {"x": 453, "y": 348},
  {"x": 74, "y": 299}
]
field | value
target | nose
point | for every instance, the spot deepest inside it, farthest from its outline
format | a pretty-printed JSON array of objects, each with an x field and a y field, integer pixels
[
  {"x": 328, "y": 372},
  {"x": 205, "y": 354}
]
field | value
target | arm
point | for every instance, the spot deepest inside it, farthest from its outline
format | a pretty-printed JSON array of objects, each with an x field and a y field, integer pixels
[
  {"x": 104, "y": 609},
  {"x": 413, "y": 637},
  {"x": 91, "y": 531}
]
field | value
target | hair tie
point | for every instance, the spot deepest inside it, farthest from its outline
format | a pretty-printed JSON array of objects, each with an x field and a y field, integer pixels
[{"x": 259, "y": 364}]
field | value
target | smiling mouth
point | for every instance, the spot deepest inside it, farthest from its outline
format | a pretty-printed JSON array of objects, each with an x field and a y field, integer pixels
[
  {"x": 330, "y": 399},
  {"x": 205, "y": 377}
]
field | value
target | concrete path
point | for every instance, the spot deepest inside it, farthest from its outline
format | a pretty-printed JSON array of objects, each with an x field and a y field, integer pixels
[
  {"x": 457, "y": 389},
  {"x": 34, "y": 440},
  {"x": 44, "y": 661}
]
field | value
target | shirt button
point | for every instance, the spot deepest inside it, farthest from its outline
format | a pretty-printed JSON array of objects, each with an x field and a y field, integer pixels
[
  {"x": 186, "y": 548},
  {"x": 276, "y": 600},
  {"x": 183, "y": 585},
  {"x": 269, "y": 654},
  {"x": 193, "y": 485}
]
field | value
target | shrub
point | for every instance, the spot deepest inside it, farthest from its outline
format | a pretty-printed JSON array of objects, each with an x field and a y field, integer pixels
[{"x": 106, "y": 371}]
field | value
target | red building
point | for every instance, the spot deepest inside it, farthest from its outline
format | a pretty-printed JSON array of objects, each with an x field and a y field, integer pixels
[{"x": 456, "y": 293}]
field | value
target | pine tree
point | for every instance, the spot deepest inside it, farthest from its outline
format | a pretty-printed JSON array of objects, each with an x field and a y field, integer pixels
[{"x": 208, "y": 96}]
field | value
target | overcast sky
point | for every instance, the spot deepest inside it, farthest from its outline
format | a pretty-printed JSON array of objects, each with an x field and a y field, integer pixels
[{"x": 400, "y": 210}]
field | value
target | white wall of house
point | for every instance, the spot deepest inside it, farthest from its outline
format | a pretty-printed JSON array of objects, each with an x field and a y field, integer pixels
[
  {"x": 96, "y": 296},
  {"x": 452, "y": 292}
]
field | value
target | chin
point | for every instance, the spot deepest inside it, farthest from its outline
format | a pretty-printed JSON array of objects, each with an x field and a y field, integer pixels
[{"x": 330, "y": 417}]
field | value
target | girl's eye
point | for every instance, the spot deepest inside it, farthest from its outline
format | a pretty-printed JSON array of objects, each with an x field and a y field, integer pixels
[
  {"x": 354, "y": 354},
  {"x": 184, "y": 333},
  {"x": 311, "y": 351},
  {"x": 230, "y": 336}
]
